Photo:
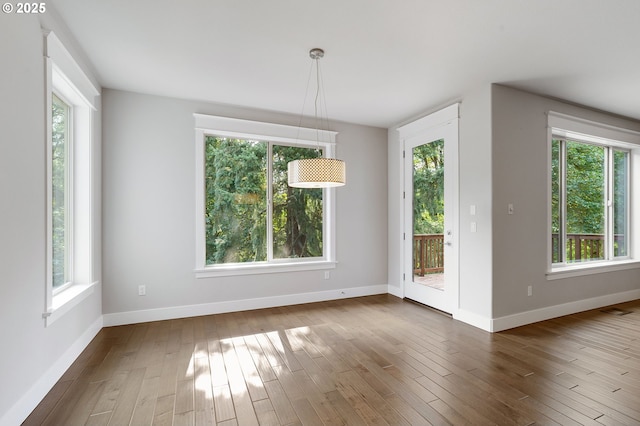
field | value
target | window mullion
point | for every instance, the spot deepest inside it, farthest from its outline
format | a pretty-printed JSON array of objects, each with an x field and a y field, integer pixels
[
  {"x": 70, "y": 190},
  {"x": 608, "y": 208},
  {"x": 627, "y": 206},
  {"x": 562, "y": 172},
  {"x": 269, "y": 201}
]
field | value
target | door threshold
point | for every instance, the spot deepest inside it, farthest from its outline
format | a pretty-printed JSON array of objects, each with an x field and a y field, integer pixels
[{"x": 447, "y": 314}]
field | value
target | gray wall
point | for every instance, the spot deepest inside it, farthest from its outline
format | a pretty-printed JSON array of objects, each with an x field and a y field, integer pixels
[
  {"x": 32, "y": 356},
  {"x": 519, "y": 172},
  {"x": 149, "y": 209},
  {"x": 503, "y": 160}
]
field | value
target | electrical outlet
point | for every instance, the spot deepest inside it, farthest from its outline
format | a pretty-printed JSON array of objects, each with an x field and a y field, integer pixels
[
  {"x": 327, "y": 275},
  {"x": 142, "y": 290},
  {"x": 529, "y": 291}
]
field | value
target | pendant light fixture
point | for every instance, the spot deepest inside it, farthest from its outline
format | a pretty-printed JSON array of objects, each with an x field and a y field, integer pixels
[{"x": 321, "y": 172}]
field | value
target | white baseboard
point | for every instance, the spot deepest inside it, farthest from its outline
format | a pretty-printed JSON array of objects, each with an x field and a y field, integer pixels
[
  {"x": 30, "y": 400},
  {"x": 542, "y": 314},
  {"x": 173, "y": 312},
  {"x": 473, "y": 319},
  {"x": 395, "y": 291},
  {"x": 529, "y": 317}
]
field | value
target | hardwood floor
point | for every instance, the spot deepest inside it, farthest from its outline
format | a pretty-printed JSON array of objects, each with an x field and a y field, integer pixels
[{"x": 369, "y": 360}]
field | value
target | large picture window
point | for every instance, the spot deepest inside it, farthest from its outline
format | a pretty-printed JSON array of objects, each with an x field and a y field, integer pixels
[
  {"x": 591, "y": 213},
  {"x": 589, "y": 202},
  {"x": 249, "y": 219},
  {"x": 243, "y": 224}
]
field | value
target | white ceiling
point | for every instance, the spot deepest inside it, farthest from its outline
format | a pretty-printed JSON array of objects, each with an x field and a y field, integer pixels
[{"x": 386, "y": 60}]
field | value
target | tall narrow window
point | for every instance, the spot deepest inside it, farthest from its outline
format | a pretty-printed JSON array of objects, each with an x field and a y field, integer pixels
[
  {"x": 72, "y": 180},
  {"x": 589, "y": 201},
  {"x": 60, "y": 192},
  {"x": 557, "y": 226}
]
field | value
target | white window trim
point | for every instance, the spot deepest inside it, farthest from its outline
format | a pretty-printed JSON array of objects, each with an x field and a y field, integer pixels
[
  {"x": 209, "y": 125},
  {"x": 65, "y": 77},
  {"x": 601, "y": 134},
  {"x": 590, "y": 268}
]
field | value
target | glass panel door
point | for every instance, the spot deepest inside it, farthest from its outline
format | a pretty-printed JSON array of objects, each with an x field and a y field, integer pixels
[{"x": 430, "y": 161}]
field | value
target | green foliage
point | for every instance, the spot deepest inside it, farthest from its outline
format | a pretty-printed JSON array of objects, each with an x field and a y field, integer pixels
[
  {"x": 235, "y": 209},
  {"x": 297, "y": 213},
  {"x": 585, "y": 188},
  {"x": 236, "y": 203},
  {"x": 428, "y": 188}
]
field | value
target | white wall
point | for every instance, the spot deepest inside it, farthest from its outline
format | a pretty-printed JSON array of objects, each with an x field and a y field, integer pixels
[
  {"x": 519, "y": 157},
  {"x": 32, "y": 357},
  {"x": 475, "y": 165},
  {"x": 474, "y": 168},
  {"x": 394, "y": 209},
  {"x": 149, "y": 216}
]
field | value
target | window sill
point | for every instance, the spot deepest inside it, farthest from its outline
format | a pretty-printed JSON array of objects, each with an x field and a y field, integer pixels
[
  {"x": 583, "y": 269},
  {"x": 64, "y": 301},
  {"x": 232, "y": 270}
]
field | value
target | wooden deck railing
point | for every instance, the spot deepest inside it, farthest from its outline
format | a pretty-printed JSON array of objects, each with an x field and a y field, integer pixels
[
  {"x": 587, "y": 246},
  {"x": 428, "y": 250},
  {"x": 428, "y": 254}
]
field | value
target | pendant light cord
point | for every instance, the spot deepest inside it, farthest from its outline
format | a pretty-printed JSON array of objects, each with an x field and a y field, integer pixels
[
  {"x": 318, "y": 123},
  {"x": 318, "y": 103},
  {"x": 304, "y": 101}
]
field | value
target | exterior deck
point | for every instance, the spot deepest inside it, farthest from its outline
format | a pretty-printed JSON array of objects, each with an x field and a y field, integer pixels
[{"x": 428, "y": 253}]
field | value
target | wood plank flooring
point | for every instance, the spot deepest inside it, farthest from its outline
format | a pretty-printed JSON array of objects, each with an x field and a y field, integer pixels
[{"x": 371, "y": 360}]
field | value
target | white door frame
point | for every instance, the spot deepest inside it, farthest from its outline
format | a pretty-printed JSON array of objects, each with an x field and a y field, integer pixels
[{"x": 421, "y": 130}]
